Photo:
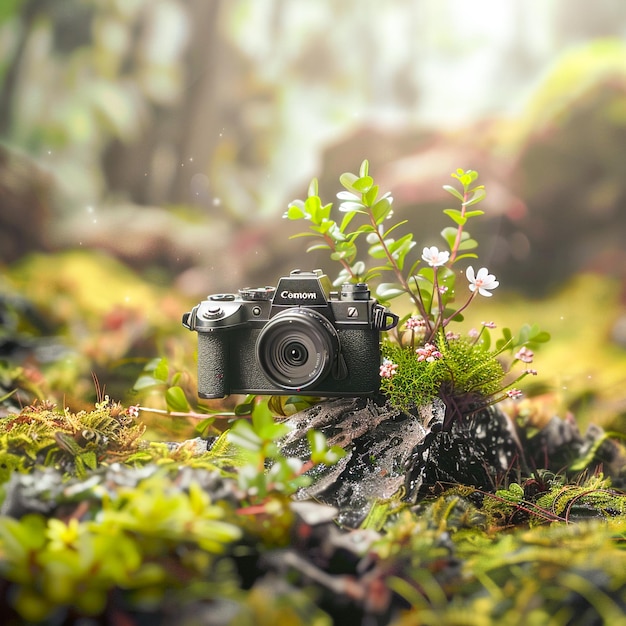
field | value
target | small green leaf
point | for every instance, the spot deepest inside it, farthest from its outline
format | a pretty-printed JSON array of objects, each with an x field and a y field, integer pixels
[
  {"x": 203, "y": 428},
  {"x": 325, "y": 225},
  {"x": 365, "y": 228},
  {"x": 369, "y": 198},
  {"x": 161, "y": 371},
  {"x": 358, "y": 268},
  {"x": 377, "y": 251},
  {"x": 506, "y": 341},
  {"x": 478, "y": 195},
  {"x": 325, "y": 211},
  {"x": 346, "y": 221},
  {"x": 319, "y": 246},
  {"x": 146, "y": 381},
  {"x": 364, "y": 169},
  {"x": 313, "y": 188},
  {"x": 347, "y": 180},
  {"x": 350, "y": 205},
  {"x": 389, "y": 290},
  {"x": 426, "y": 273},
  {"x": 89, "y": 459},
  {"x": 295, "y": 212},
  {"x": 402, "y": 223},
  {"x": 524, "y": 335},
  {"x": 317, "y": 442},
  {"x": 458, "y": 317},
  {"x": 456, "y": 216},
  {"x": 542, "y": 337},
  {"x": 468, "y": 244},
  {"x": 468, "y": 255},
  {"x": 313, "y": 206},
  {"x": 244, "y": 408},
  {"x": 363, "y": 184},
  {"x": 6, "y": 396},
  {"x": 243, "y": 435},
  {"x": 349, "y": 195},
  {"x": 344, "y": 250},
  {"x": 400, "y": 248},
  {"x": 449, "y": 235},
  {"x": 474, "y": 213},
  {"x": 455, "y": 192},
  {"x": 176, "y": 400},
  {"x": 381, "y": 210},
  {"x": 307, "y": 234}
]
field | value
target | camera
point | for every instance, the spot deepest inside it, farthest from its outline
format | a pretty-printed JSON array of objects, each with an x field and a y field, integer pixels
[{"x": 299, "y": 337}]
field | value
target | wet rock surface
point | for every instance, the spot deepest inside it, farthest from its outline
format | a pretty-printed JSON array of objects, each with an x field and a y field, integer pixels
[
  {"x": 389, "y": 450},
  {"x": 478, "y": 450}
]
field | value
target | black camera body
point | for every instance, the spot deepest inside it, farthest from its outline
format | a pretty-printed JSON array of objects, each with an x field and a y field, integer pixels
[{"x": 297, "y": 338}]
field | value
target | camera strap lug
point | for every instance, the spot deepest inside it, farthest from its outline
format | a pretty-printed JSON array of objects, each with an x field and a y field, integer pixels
[
  {"x": 189, "y": 319},
  {"x": 383, "y": 318}
]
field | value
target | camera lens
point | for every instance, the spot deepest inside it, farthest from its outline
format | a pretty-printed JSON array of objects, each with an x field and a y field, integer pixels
[
  {"x": 296, "y": 348},
  {"x": 296, "y": 354}
]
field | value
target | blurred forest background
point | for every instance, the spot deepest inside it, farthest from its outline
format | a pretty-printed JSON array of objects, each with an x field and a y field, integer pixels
[{"x": 148, "y": 149}]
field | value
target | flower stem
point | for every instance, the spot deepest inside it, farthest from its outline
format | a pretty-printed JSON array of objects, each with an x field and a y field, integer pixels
[
  {"x": 417, "y": 299},
  {"x": 329, "y": 240},
  {"x": 449, "y": 319}
]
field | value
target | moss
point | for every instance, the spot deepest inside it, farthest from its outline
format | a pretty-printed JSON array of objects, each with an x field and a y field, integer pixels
[
  {"x": 40, "y": 435},
  {"x": 462, "y": 369}
]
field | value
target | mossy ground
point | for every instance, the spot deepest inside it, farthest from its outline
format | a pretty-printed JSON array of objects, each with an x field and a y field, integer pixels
[{"x": 103, "y": 519}]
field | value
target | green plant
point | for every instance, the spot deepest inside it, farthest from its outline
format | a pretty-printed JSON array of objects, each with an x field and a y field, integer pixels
[
  {"x": 150, "y": 541},
  {"x": 259, "y": 437},
  {"x": 426, "y": 358},
  {"x": 40, "y": 435}
]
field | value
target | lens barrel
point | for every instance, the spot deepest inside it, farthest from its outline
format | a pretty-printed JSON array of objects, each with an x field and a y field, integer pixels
[{"x": 296, "y": 348}]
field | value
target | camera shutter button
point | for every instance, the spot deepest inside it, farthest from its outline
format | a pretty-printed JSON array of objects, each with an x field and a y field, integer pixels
[{"x": 213, "y": 312}]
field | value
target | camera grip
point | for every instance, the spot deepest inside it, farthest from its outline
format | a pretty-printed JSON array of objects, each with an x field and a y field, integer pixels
[{"x": 213, "y": 351}]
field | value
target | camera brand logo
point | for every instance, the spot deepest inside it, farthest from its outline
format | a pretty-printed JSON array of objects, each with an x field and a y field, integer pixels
[{"x": 298, "y": 295}]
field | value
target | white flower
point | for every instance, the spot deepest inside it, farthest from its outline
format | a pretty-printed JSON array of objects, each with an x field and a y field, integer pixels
[
  {"x": 481, "y": 281},
  {"x": 434, "y": 258}
]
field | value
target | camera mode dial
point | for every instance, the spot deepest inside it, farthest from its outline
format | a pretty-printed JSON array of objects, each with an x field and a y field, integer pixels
[{"x": 257, "y": 293}]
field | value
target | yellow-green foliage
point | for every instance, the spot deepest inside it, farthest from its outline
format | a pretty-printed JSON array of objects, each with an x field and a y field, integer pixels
[
  {"x": 72, "y": 442},
  {"x": 471, "y": 369},
  {"x": 464, "y": 368},
  {"x": 448, "y": 563},
  {"x": 595, "y": 495},
  {"x": 138, "y": 535}
]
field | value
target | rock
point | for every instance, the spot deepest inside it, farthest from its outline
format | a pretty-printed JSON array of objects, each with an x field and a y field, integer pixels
[
  {"x": 393, "y": 453},
  {"x": 379, "y": 440},
  {"x": 479, "y": 450}
]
